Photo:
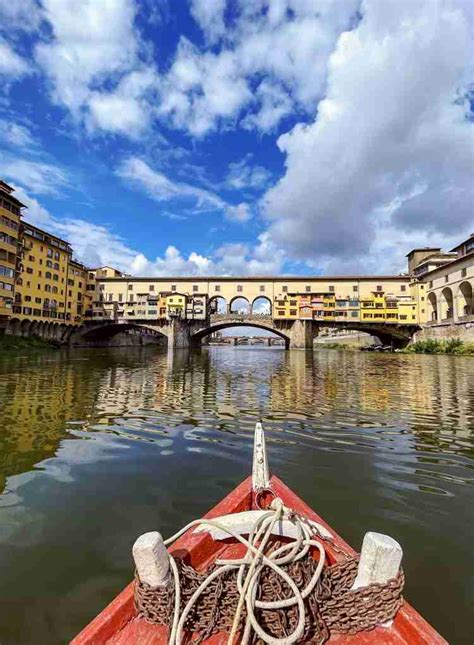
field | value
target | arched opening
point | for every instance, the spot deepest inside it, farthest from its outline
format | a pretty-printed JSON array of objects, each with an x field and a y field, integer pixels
[
  {"x": 262, "y": 306},
  {"x": 446, "y": 302},
  {"x": 39, "y": 329},
  {"x": 465, "y": 305},
  {"x": 25, "y": 327},
  {"x": 239, "y": 305},
  {"x": 34, "y": 328},
  {"x": 14, "y": 325},
  {"x": 222, "y": 334},
  {"x": 432, "y": 307},
  {"x": 217, "y": 305}
]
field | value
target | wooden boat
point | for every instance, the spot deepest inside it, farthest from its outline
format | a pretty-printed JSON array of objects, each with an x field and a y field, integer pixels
[{"x": 120, "y": 623}]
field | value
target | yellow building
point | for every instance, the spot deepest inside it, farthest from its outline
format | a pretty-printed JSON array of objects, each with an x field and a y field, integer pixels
[
  {"x": 10, "y": 215},
  {"x": 78, "y": 297},
  {"x": 41, "y": 290},
  {"x": 175, "y": 305}
]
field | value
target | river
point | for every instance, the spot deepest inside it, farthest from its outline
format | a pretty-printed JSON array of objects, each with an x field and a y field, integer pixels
[{"x": 98, "y": 446}]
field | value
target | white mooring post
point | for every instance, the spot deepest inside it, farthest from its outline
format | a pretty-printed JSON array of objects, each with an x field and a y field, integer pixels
[
  {"x": 151, "y": 559},
  {"x": 380, "y": 560},
  {"x": 260, "y": 472}
]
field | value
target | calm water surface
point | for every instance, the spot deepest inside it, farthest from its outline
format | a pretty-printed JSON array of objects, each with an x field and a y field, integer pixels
[{"x": 98, "y": 446}]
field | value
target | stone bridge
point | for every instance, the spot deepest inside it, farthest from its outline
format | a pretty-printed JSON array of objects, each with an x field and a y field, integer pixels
[{"x": 297, "y": 334}]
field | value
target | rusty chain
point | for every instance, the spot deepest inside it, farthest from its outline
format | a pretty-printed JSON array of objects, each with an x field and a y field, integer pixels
[{"x": 332, "y": 607}]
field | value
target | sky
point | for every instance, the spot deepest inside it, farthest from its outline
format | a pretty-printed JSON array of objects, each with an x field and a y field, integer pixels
[{"x": 241, "y": 137}]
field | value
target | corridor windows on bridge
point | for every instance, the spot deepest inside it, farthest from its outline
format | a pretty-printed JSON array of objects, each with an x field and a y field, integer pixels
[
  {"x": 308, "y": 288},
  {"x": 331, "y": 288},
  {"x": 240, "y": 306},
  {"x": 217, "y": 287},
  {"x": 239, "y": 288},
  {"x": 262, "y": 288},
  {"x": 173, "y": 287},
  {"x": 261, "y": 306},
  {"x": 151, "y": 287},
  {"x": 195, "y": 287}
]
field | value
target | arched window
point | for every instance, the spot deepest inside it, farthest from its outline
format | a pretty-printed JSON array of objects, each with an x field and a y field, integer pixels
[
  {"x": 240, "y": 306},
  {"x": 48, "y": 275}
]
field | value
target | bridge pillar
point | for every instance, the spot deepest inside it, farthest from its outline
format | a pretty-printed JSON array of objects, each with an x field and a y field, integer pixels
[
  {"x": 302, "y": 333},
  {"x": 179, "y": 334}
]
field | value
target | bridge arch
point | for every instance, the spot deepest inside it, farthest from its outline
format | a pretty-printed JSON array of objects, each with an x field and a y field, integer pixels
[
  {"x": 465, "y": 300},
  {"x": 239, "y": 305},
  {"x": 432, "y": 307},
  {"x": 446, "y": 304},
  {"x": 218, "y": 305},
  {"x": 220, "y": 326},
  {"x": 261, "y": 305},
  {"x": 106, "y": 331}
]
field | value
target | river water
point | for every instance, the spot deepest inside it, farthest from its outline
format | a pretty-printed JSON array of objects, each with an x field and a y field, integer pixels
[{"x": 98, "y": 446}]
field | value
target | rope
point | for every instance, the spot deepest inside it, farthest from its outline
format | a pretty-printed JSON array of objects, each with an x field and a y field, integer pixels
[{"x": 251, "y": 566}]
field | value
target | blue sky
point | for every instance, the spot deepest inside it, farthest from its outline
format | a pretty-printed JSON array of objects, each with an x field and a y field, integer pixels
[{"x": 232, "y": 136}]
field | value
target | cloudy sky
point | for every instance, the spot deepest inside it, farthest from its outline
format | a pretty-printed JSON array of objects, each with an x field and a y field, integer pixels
[{"x": 241, "y": 136}]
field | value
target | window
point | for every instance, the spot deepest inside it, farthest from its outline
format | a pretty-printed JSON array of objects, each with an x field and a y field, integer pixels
[
  {"x": 285, "y": 289},
  {"x": 31, "y": 258},
  {"x": 292, "y": 312},
  {"x": 217, "y": 287},
  {"x": 38, "y": 301},
  {"x": 151, "y": 287},
  {"x": 354, "y": 314},
  {"x": 56, "y": 277},
  {"x": 195, "y": 287},
  {"x": 403, "y": 287},
  {"x": 49, "y": 264},
  {"x": 110, "y": 297},
  {"x": 355, "y": 288},
  {"x": 308, "y": 288},
  {"x": 331, "y": 288},
  {"x": 240, "y": 288},
  {"x": 120, "y": 297},
  {"x": 431, "y": 284},
  {"x": 379, "y": 287},
  {"x": 56, "y": 255},
  {"x": 463, "y": 272},
  {"x": 56, "y": 266},
  {"x": 130, "y": 287},
  {"x": 49, "y": 253},
  {"x": 48, "y": 275},
  {"x": 446, "y": 278},
  {"x": 29, "y": 270},
  {"x": 27, "y": 298},
  {"x": 262, "y": 288},
  {"x": 173, "y": 287}
]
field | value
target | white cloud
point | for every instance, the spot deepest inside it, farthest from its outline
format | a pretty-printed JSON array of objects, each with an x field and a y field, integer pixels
[
  {"x": 287, "y": 42},
  {"x": 162, "y": 189},
  {"x": 93, "y": 63},
  {"x": 24, "y": 15},
  {"x": 389, "y": 154},
  {"x": 11, "y": 64},
  {"x": 209, "y": 14},
  {"x": 243, "y": 175},
  {"x": 37, "y": 177},
  {"x": 97, "y": 245},
  {"x": 15, "y": 135}
]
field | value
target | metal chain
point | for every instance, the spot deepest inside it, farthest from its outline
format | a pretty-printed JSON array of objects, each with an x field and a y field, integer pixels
[{"x": 332, "y": 607}]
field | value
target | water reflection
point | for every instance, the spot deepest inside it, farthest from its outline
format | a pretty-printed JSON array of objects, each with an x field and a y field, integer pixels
[{"x": 374, "y": 441}]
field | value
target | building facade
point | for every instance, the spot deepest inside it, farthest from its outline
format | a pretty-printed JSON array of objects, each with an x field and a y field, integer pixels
[{"x": 10, "y": 222}]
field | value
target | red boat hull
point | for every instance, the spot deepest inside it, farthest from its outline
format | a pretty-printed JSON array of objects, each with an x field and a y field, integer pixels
[{"x": 119, "y": 624}]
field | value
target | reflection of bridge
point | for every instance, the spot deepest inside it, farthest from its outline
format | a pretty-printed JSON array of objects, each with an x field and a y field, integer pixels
[{"x": 296, "y": 334}]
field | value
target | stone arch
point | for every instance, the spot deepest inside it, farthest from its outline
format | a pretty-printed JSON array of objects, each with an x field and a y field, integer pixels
[
  {"x": 432, "y": 307},
  {"x": 62, "y": 331},
  {"x": 25, "y": 327},
  {"x": 218, "y": 305},
  {"x": 39, "y": 329},
  {"x": 48, "y": 326},
  {"x": 34, "y": 328},
  {"x": 237, "y": 305},
  {"x": 207, "y": 331},
  {"x": 14, "y": 325},
  {"x": 464, "y": 300},
  {"x": 261, "y": 305},
  {"x": 446, "y": 304}
]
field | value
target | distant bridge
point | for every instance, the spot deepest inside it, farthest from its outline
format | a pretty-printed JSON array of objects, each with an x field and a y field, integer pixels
[{"x": 296, "y": 334}]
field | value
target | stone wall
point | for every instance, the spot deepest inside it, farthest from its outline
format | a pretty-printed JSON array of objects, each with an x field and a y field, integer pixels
[{"x": 464, "y": 331}]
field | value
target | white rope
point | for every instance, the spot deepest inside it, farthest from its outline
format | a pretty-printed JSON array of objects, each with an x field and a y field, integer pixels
[{"x": 250, "y": 568}]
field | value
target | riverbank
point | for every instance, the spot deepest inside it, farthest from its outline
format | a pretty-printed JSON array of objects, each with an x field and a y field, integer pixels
[
  {"x": 32, "y": 343},
  {"x": 453, "y": 346}
]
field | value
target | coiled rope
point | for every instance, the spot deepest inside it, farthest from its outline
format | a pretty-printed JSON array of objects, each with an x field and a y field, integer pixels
[{"x": 249, "y": 569}]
